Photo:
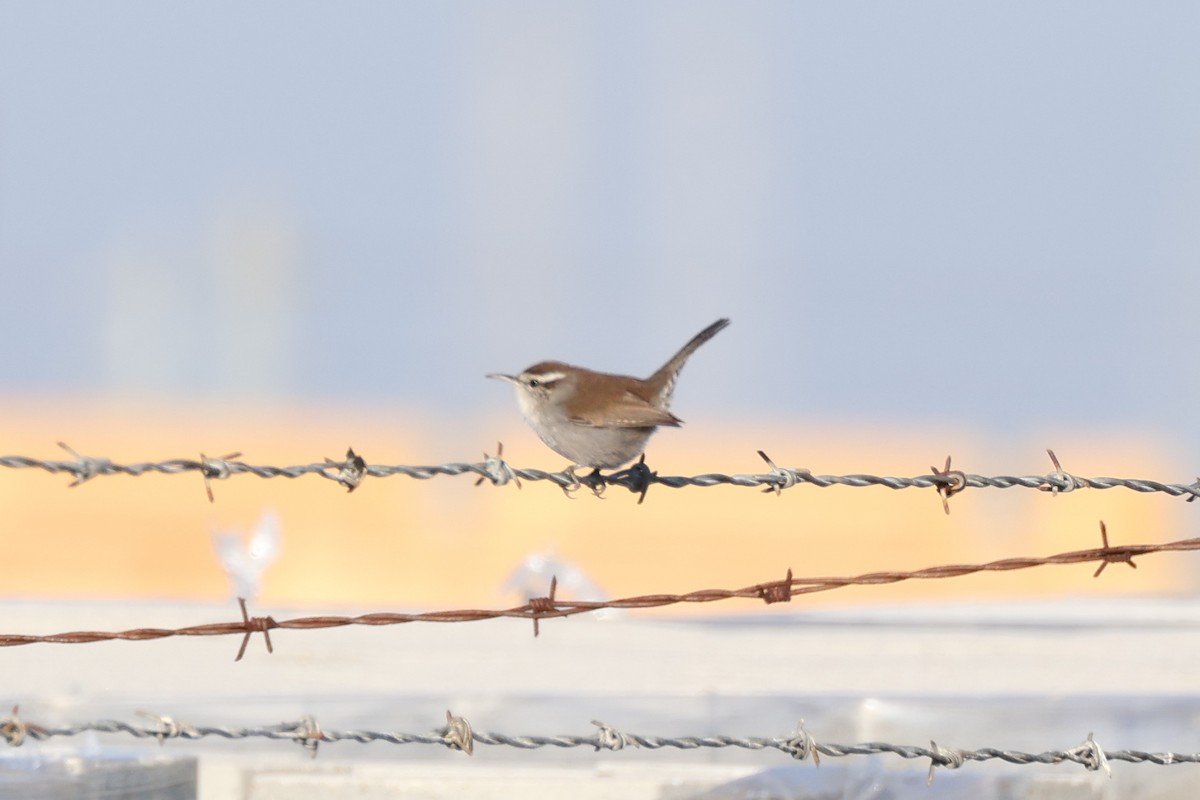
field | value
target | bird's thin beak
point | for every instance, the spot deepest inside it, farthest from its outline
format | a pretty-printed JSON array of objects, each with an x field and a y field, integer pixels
[{"x": 501, "y": 377}]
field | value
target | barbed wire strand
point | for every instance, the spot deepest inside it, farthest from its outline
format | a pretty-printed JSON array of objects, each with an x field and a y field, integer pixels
[
  {"x": 353, "y": 470},
  {"x": 541, "y": 608},
  {"x": 458, "y": 734}
]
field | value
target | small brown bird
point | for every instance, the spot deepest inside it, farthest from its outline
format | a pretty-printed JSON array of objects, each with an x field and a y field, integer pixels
[{"x": 596, "y": 419}]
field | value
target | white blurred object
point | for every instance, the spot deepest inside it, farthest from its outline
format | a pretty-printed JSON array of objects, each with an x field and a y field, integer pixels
[
  {"x": 532, "y": 576},
  {"x": 246, "y": 558}
]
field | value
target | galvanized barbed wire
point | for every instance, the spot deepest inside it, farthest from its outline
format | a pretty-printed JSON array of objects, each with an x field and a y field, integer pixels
[
  {"x": 539, "y": 609},
  {"x": 637, "y": 478},
  {"x": 458, "y": 734}
]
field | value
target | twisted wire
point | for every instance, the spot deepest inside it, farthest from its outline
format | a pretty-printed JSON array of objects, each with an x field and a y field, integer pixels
[
  {"x": 549, "y": 607},
  {"x": 637, "y": 478},
  {"x": 799, "y": 744}
]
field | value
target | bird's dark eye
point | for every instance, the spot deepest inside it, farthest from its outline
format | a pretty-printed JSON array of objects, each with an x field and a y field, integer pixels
[{"x": 534, "y": 383}]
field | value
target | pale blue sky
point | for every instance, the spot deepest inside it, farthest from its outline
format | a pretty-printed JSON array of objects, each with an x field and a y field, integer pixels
[{"x": 986, "y": 213}]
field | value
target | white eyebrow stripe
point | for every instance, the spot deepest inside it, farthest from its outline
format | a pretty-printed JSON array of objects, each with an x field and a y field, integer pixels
[{"x": 546, "y": 377}]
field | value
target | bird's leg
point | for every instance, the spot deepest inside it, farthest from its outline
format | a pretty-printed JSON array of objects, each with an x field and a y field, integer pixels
[
  {"x": 596, "y": 482},
  {"x": 572, "y": 487}
]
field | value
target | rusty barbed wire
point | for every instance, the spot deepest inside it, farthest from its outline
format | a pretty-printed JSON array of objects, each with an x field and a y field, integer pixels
[
  {"x": 638, "y": 478},
  {"x": 458, "y": 734},
  {"x": 539, "y": 609}
]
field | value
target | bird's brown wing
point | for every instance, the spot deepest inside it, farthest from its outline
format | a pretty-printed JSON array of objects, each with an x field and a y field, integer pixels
[{"x": 630, "y": 411}]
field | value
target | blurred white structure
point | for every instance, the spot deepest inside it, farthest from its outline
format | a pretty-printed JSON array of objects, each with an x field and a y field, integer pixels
[
  {"x": 246, "y": 558},
  {"x": 531, "y": 578}
]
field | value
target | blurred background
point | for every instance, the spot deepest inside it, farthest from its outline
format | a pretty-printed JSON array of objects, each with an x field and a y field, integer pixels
[{"x": 282, "y": 229}]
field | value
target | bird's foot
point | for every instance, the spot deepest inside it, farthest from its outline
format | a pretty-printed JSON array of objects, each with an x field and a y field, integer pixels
[
  {"x": 594, "y": 481},
  {"x": 569, "y": 489}
]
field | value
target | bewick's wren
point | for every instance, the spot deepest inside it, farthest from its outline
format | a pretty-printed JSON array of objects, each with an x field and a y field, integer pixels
[{"x": 594, "y": 418}]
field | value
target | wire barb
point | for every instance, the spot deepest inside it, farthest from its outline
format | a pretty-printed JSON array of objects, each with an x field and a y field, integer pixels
[
  {"x": 1092, "y": 756},
  {"x": 307, "y": 733},
  {"x": 497, "y": 470},
  {"x": 777, "y": 592},
  {"x": 948, "y": 757},
  {"x": 609, "y": 738},
  {"x": 1060, "y": 481},
  {"x": 1120, "y": 557},
  {"x": 780, "y": 478},
  {"x": 636, "y": 478},
  {"x": 543, "y": 605},
  {"x": 215, "y": 469},
  {"x": 253, "y": 625},
  {"x": 85, "y": 467},
  {"x": 167, "y": 727},
  {"x": 802, "y": 746},
  {"x": 351, "y": 472},
  {"x": 457, "y": 735},
  {"x": 952, "y": 481},
  {"x": 15, "y": 730}
]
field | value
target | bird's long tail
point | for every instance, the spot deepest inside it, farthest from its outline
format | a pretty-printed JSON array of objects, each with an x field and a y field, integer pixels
[{"x": 664, "y": 380}]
